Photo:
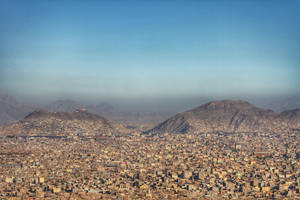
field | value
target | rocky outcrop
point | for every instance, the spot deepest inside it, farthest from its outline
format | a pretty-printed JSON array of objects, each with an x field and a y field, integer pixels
[
  {"x": 41, "y": 122},
  {"x": 291, "y": 117},
  {"x": 226, "y": 116}
]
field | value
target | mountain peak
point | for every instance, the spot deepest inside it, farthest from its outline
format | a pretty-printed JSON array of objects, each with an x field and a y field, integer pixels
[
  {"x": 225, "y": 115},
  {"x": 37, "y": 114},
  {"x": 226, "y": 104},
  {"x": 79, "y": 114},
  {"x": 80, "y": 121},
  {"x": 64, "y": 106},
  {"x": 84, "y": 110}
]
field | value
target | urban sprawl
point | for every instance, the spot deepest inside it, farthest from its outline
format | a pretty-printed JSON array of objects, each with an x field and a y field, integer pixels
[{"x": 168, "y": 166}]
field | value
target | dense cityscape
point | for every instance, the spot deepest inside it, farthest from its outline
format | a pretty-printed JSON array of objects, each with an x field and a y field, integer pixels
[{"x": 185, "y": 166}]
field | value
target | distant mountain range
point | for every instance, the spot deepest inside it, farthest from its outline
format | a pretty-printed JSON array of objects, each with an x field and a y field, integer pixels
[
  {"x": 136, "y": 119},
  {"x": 63, "y": 106},
  {"x": 278, "y": 104},
  {"x": 11, "y": 110},
  {"x": 228, "y": 116}
]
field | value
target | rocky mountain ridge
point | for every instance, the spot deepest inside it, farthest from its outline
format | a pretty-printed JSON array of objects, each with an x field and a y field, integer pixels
[
  {"x": 227, "y": 116},
  {"x": 12, "y": 111},
  {"x": 79, "y": 122},
  {"x": 224, "y": 116},
  {"x": 291, "y": 117}
]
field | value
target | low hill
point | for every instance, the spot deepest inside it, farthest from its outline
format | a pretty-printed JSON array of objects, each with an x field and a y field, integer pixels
[{"x": 42, "y": 122}]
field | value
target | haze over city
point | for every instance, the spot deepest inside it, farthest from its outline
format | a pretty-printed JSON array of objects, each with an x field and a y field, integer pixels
[{"x": 155, "y": 52}]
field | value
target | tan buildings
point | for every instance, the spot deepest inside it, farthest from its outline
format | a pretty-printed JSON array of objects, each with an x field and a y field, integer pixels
[{"x": 188, "y": 166}]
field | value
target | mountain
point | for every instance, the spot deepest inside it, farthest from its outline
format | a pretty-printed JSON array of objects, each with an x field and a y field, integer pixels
[
  {"x": 42, "y": 122},
  {"x": 225, "y": 116},
  {"x": 63, "y": 106},
  {"x": 143, "y": 120},
  {"x": 291, "y": 117},
  {"x": 279, "y": 103},
  {"x": 102, "y": 108},
  {"x": 11, "y": 110}
]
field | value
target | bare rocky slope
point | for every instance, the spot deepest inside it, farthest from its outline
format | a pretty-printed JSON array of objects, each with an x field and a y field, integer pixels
[
  {"x": 79, "y": 122},
  {"x": 225, "y": 116},
  {"x": 215, "y": 116},
  {"x": 111, "y": 112},
  {"x": 291, "y": 117},
  {"x": 12, "y": 111}
]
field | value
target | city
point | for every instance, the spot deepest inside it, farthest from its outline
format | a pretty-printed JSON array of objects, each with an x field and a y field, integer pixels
[
  {"x": 186, "y": 166},
  {"x": 149, "y": 99}
]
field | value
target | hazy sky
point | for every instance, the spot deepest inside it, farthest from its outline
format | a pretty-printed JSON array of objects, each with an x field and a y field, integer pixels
[{"x": 137, "y": 49}]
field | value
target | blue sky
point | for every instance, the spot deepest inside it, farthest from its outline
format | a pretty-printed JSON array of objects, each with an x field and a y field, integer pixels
[{"x": 132, "y": 49}]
